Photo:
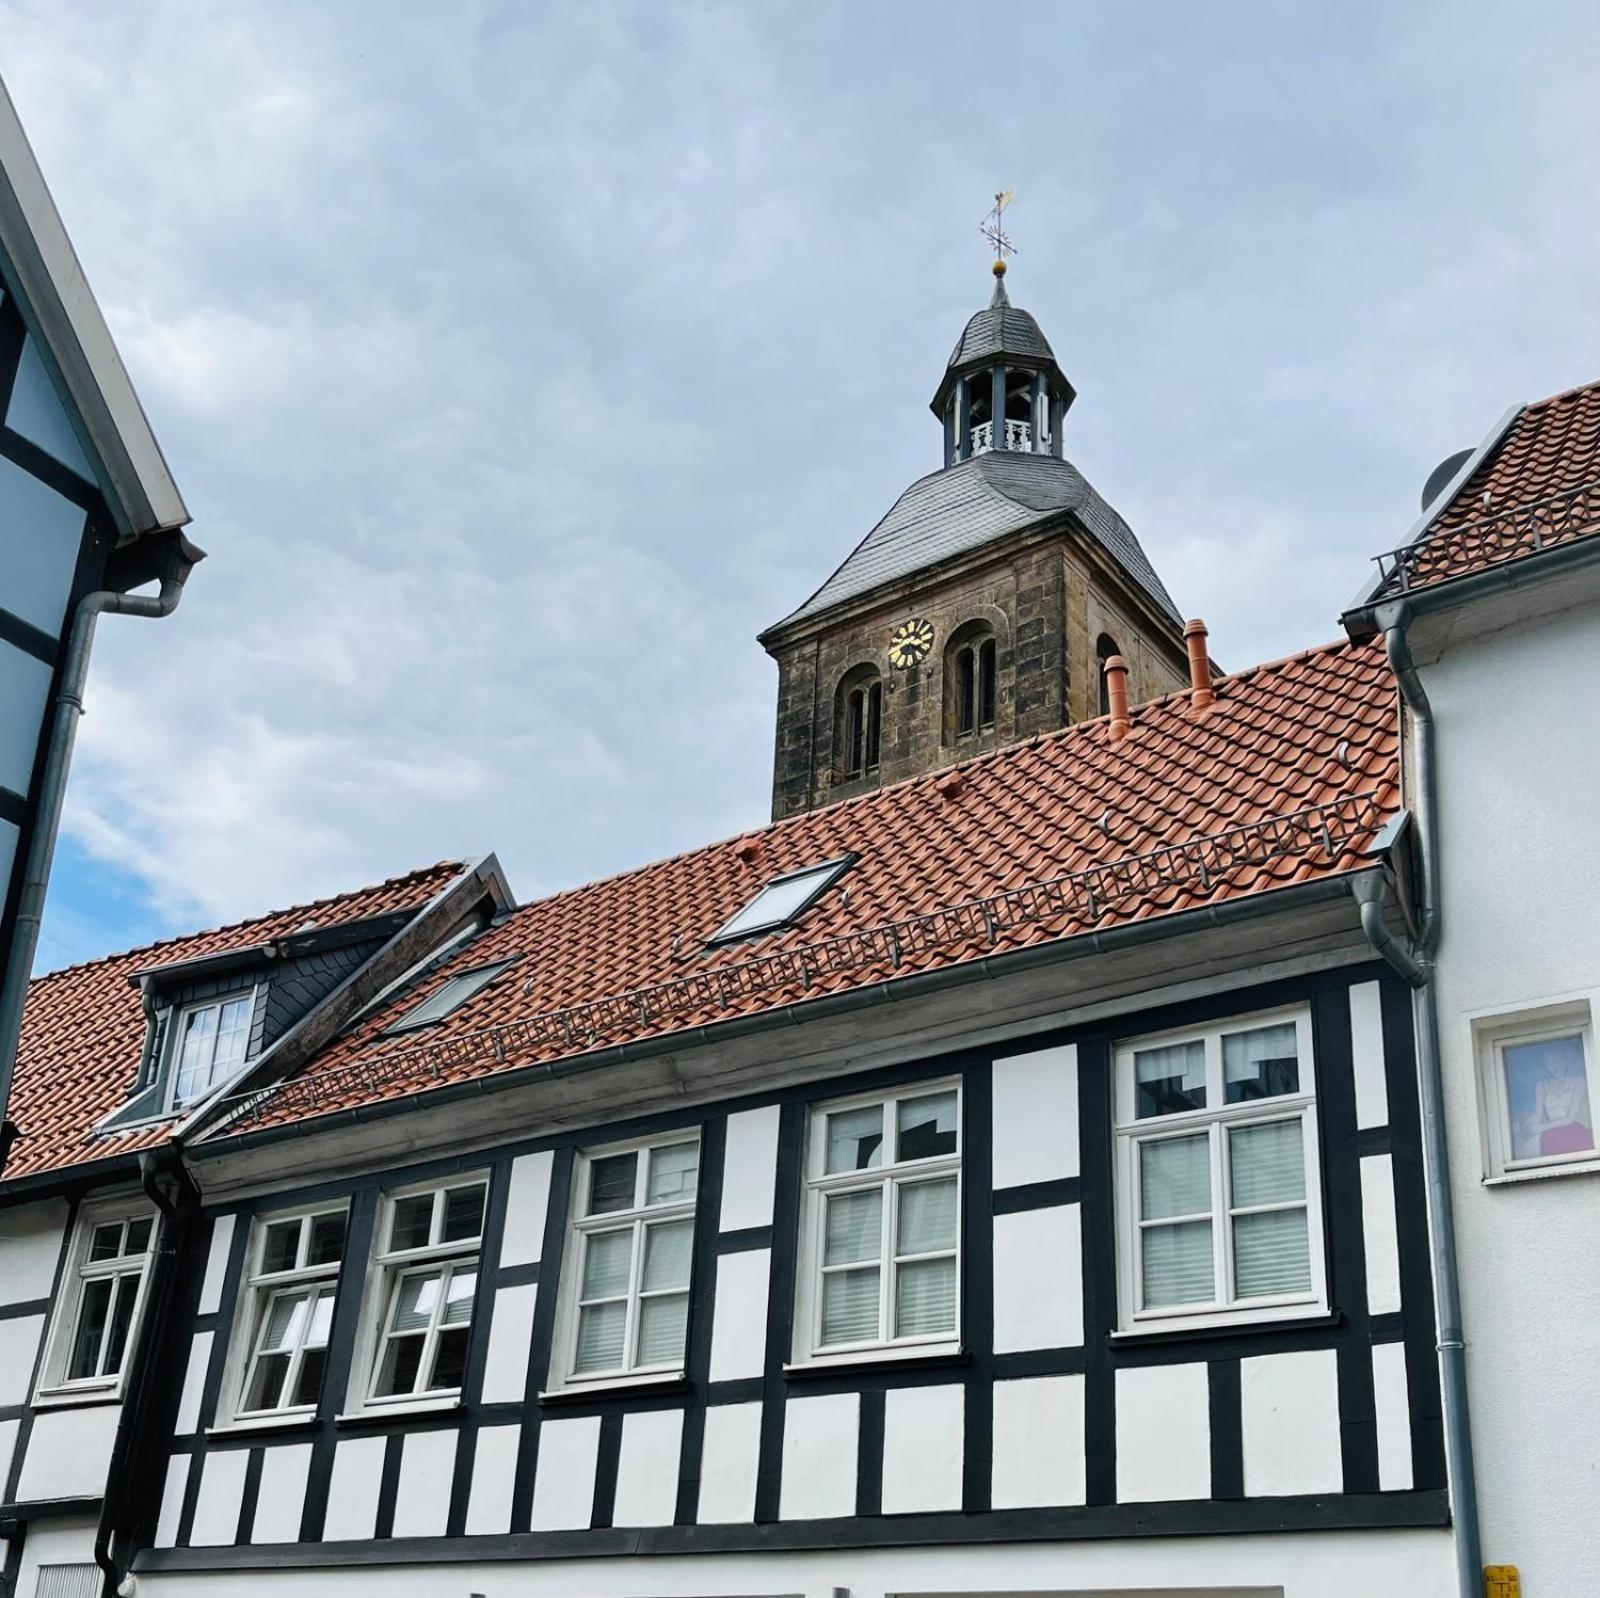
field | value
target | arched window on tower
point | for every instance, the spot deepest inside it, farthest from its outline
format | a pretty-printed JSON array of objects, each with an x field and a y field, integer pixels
[
  {"x": 970, "y": 678},
  {"x": 1105, "y": 647},
  {"x": 858, "y": 723}
]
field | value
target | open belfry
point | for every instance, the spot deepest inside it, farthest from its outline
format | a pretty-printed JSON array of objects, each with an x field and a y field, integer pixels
[{"x": 983, "y": 607}]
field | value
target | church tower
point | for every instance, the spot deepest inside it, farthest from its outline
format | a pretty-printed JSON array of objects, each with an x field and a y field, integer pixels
[{"x": 982, "y": 609}]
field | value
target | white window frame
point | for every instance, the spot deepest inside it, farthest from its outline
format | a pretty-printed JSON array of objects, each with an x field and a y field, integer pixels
[
  {"x": 55, "y": 1387},
  {"x": 174, "y": 1045},
  {"x": 256, "y": 1294},
  {"x": 641, "y": 1216},
  {"x": 1217, "y": 1119},
  {"x": 386, "y": 1269},
  {"x": 1492, "y": 1033},
  {"x": 749, "y": 921},
  {"x": 809, "y": 1349}
]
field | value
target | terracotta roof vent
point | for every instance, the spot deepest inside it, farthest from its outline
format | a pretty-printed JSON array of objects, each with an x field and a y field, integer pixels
[
  {"x": 1200, "y": 691},
  {"x": 1117, "y": 696},
  {"x": 748, "y": 850},
  {"x": 950, "y": 784}
]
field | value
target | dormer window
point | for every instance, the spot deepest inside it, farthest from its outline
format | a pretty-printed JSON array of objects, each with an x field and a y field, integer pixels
[
  {"x": 212, "y": 1041},
  {"x": 782, "y": 902}
]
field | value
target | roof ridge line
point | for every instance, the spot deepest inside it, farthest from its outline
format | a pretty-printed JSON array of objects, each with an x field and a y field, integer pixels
[{"x": 244, "y": 921}]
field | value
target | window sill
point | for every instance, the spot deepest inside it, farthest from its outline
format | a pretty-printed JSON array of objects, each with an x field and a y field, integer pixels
[
  {"x": 272, "y": 1424},
  {"x": 1543, "y": 1173},
  {"x": 582, "y": 1392},
  {"x": 383, "y": 1414},
  {"x": 932, "y": 1357},
  {"x": 1196, "y": 1329},
  {"x": 76, "y": 1398}
]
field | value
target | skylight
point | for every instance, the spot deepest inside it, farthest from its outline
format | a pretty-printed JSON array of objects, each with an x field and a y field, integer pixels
[
  {"x": 447, "y": 999},
  {"x": 782, "y": 901}
]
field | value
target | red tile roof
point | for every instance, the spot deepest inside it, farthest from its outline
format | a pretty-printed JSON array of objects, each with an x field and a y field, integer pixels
[
  {"x": 83, "y": 1029},
  {"x": 1185, "y": 811},
  {"x": 1540, "y": 486}
]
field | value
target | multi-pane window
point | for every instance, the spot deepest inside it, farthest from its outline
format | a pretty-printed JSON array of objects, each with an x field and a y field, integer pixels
[
  {"x": 863, "y": 729},
  {"x": 99, "y": 1310},
  {"x": 631, "y": 1249},
  {"x": 975, "y": 687},
  {"x": 212, "y": 1041},
  {"x": 884, "y": 1202},
  {"x": 1217, "y": 1173},
  {"x": 427, "y": 1265},
  {"x": 294, "y": 1275}
]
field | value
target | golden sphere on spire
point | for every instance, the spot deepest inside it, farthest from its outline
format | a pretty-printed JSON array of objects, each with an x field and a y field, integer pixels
[{"x": 999, "y": 268}]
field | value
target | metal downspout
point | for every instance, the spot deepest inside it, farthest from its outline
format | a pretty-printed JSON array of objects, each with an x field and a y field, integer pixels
[
  {"x": 58, "y": 758},
  {"x": 174, "y": 1212},
  {"x": 1415, "y": 963}
]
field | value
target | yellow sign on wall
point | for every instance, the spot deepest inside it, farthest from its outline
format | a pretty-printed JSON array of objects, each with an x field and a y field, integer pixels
[{"x": 1501, "y": 1581}]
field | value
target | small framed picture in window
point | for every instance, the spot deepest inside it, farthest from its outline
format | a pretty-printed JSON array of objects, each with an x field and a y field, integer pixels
[{"x": 1536, "y": 1073}]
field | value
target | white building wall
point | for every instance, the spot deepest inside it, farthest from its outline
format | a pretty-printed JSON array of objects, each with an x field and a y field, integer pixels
[{"x": 1518, "y": 720}]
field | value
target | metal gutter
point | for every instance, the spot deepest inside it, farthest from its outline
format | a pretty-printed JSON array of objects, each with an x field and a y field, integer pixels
[
  {"x": 1373, "y": 589},
  {"x": 1415, "y": 962},
  {"x": 181, "y": 558},
  {"x": 890, "y": 991}
]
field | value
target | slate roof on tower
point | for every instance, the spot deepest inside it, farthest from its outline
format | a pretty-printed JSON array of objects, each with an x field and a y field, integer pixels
[
  {"x": 1286, "y": 779},
  {"x": 1000, "y": 328},
  {"x": 973, "y": 503}
]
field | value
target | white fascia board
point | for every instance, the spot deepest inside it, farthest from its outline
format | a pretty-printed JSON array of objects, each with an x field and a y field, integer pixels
[
  {"x": 41, "y": 269},
  {"x": 1435, "y": 507}
]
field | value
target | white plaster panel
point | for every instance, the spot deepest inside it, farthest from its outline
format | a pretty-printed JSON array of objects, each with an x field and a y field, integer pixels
[
  {"x": 172, "y": 1491},
  {"x": 505, "y": 1369},
  {"x": 8, "y": 1447},
  {"x": 1291, "y": 1423},
  {"x": 749, "y": 1168},
  {"x": 729, "y": 1456},
  {"x": 427, "y": 1468},
  {"x": 1381, "y": 1239},
  {"x": 216, "y": 1265},
  {"x": 353, "y": 1488},
  {"x": 739, "y": 1315},
  {"x": 1038, "y": 1442},
  {"x": 529, "y": 1198},
  {"x": 1394, "y": 1416},
  {"x": 820, "y": 1437},
  {"x": 647, "y": 1468},
  {"x": 1163, "y": 1433},
  {"x": 282, "y": 1498},
  {"x": 563, "y": 1488},
  {"x": 494, "y": 1479},
  {"x": 1036, "y": 1116},
  {"x": 68, "y": 1452},
  {"x": 30, "y": 1246},
  {"x": 922, "y": 1435},
  {"x": 1038, "y": 1279},
  {"x": 216, "y": 1505},
  {"x": 19, "y": 1344},
  {"x": 1366, "y": 1042},
  {"x": 194, "y": 1384}
]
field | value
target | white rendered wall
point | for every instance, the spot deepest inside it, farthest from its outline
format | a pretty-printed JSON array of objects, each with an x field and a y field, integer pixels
[
  {"x": 1518, "y": 719},
  {"x": 1399, "y": 1564}
]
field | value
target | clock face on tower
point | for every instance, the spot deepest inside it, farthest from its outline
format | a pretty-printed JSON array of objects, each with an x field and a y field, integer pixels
[{"x": 910, "y": 642}]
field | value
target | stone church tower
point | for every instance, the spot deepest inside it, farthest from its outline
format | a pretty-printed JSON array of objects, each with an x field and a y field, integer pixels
[{"x": 981, "y": 609}]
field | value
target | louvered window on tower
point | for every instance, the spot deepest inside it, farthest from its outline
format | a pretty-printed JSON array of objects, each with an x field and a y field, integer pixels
[
  {"x": 783, "y": 901},
  {"x": 970, "y": 702},
  {"x": 863, "y": 729}
]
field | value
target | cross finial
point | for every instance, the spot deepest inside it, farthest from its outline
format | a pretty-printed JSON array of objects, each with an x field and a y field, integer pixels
[{"x": 993, "y": 229}]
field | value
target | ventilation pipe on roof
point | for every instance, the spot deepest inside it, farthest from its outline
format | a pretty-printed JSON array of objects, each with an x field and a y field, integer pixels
[
  {"x": 1116, "y": 669},
  {"x": 1200, "y": 691},
  {"x": 180, "y": 561}
]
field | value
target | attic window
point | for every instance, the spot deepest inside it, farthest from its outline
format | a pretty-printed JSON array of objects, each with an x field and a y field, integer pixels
[
  {"x": 783, "y": 901},
  {"x": 448, "y": 999}
]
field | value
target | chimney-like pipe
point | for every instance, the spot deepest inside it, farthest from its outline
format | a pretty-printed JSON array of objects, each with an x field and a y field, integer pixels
[
  {"x": 1200, "y": 692},
  {"x": 1117, "y": 696}
]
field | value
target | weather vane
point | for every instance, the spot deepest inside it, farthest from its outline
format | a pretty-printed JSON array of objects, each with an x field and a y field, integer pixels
[{"x": 992, "y": 227}]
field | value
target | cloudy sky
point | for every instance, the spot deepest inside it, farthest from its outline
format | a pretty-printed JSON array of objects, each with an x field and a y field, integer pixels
[{"x": 519, "y": 362}]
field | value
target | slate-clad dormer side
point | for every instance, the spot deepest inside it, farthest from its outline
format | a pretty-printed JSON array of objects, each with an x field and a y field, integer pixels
[{"x": 1041, "y": 1415}]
